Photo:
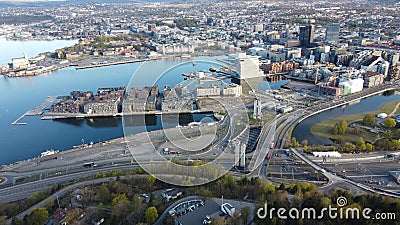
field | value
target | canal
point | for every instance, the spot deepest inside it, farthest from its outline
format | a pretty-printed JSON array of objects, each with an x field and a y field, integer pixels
[{"x": 303, "y": 130}]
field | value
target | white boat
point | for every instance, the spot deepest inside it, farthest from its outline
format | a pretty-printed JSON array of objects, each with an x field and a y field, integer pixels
[{"x": 48, "y": 152}]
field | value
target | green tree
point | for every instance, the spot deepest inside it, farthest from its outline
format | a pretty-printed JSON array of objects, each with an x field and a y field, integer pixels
[
  {"x": 389, "y": 123},
  {"x": 368, "y": 147},
  {"x": 361, "y": 144},
  {"x": 343, "y": 126},
  {"x": 335, "y": 129},
  {"x": 395, "y": 144},
  {"x": 369, "y": 120},
  {"x": 120, "y": 206},
  {"x": 349, "y": 147},
  {"x": 38, "y": 216},
  {"x": 50, "y": 204},
  {"x": 357, "y": 129},
  {"x": 269, "y": 188},
  {"x": 295, "y": 143},
  {"x": 104, "y": 194},
  {"x": 119, "y": 198},
  {"x": 304, "y": 143},
  {"x": 151, "y": 180},
  {"x": 151, "y": 215},
  {"x": 387, "y": 134},
  {"x": 340, "y": 127},
  {"x": 72, "y": 216},
  {"x": 139, "y": 208}
]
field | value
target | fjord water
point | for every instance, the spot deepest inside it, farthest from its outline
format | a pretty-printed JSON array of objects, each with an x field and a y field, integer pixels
[
  {"x": 18, "y": 95},
  {"x": 13, "y": 49}
]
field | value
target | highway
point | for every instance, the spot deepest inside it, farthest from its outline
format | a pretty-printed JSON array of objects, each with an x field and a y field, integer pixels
[
  {"x": 115, "y": 155},
  {"x": 336, "y": 181},
  {"x": 22, "y": 191},
  {"x": 288, "y": 121}
]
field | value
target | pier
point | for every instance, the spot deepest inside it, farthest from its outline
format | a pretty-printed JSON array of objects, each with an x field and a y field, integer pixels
[
  {"x": 35, "y": 112},
  {"x": 110, "y": 63}
]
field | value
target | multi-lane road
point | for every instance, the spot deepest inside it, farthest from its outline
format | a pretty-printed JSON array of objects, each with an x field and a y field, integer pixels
[{"x": 68, "y": 166}]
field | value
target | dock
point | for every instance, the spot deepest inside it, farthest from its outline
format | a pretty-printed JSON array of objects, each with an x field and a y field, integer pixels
[
  {"x": 37, "y": 111},
  {"x": 110, "y": 63}
]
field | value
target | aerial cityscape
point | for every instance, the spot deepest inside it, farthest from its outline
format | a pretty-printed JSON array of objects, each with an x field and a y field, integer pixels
[{"x": 199, "y": 112}]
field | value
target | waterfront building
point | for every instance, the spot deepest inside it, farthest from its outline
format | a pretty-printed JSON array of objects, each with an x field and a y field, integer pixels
[
  {"x": 103, "y": 107},
  {"x": 351, "y": 86},
  {"x": 248, "y": 66},
  {"x": 178, "y": 98},
  {"x": 68, "y": 106},
  {"x": 232, "y": 89},
  {"x": 372, "y": 79},
  {"x": 81, "y": 95},
  {"x": 178, "y": 49},
  {"x": 327, "y": 89},
  {"x": 20, "y": 63},
  {"x": 141, "y": 100},
  {"x": 211, "y": 91},
  {"x": 110, "y": 93},
  {"x": 279, "y": 67}
]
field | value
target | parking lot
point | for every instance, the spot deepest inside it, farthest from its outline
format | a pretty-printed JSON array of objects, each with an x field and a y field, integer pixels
[{"x": 212, "y": 208}]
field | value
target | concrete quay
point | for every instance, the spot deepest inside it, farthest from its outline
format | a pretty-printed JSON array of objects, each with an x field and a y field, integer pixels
[
  {"x": 37, "y": 111},
  {"x": 53, "y": 116}
]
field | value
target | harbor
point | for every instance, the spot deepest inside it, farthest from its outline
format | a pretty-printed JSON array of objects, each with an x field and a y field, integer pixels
[
  {"x": 101, "y": 64},
  {"x": 37, "y": 111}
]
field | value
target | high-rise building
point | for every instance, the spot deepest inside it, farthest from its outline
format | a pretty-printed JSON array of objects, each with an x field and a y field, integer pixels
[
  {"x": 248, "y": 66},
  {"x": 306, "y": 35},
  {"x": 332, "y": 33}
]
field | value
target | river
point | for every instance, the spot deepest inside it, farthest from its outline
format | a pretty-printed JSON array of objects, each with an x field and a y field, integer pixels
[{"x": 302, "y": 131}]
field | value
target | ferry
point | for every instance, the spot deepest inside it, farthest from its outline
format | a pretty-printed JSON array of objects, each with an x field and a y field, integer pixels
[{"x": 48, "y": 153}]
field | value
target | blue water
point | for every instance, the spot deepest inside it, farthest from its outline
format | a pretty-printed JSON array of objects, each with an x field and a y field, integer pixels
[
  {"x": 13, "y": 49},
  {"x": 18, "y": 95},
  {"x": 302, "y": 131}
]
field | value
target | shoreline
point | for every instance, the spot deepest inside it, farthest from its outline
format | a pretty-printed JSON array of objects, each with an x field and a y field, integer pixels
[
  {"x": 55, "y": 116},
  {"x": 316, "y": 129},
  {"x": 84, "y": 64},
  {"x": 384, "y": 89}
]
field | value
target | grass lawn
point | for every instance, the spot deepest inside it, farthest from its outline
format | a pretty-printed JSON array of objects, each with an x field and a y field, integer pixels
[{"x": 324, "y": 129}]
